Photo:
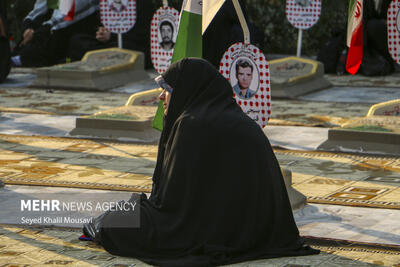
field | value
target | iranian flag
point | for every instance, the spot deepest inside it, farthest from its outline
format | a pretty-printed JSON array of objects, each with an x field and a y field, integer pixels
[
  {"x": 188, "y": 43},
  {"x": 355, "y": 36},
  {"x": 66, "y": 7}
]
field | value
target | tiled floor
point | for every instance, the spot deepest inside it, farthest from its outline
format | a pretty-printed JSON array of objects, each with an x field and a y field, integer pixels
[{"x": 61, "y": 247}]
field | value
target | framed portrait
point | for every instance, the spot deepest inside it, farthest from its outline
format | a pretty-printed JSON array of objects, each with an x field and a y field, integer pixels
[
  {"x": 303, "y": 14},
  {"x": 245, "y": 67},
  {"x": 164, "y": 30},
  {"x": 167, "y": 33},
  {"x": 118, "y": 16},
  {"x": 244, "y": 77}
]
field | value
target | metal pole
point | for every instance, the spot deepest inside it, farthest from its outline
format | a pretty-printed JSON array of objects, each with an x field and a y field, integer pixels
[
  {"x": 120, "y": 40},
  {"x": 299, "y": 41},
  {"x": 165, "y": 3},
  {"x": 242, "y": 21}
]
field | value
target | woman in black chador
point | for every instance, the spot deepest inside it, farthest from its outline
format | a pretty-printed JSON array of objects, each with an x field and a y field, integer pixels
[{"x": 218, "y": 194}]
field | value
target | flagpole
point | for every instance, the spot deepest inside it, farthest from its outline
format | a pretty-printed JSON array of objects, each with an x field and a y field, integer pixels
[
  {"x": 242, "y": 21},
  {"x": 120, "y": 40},
  {"x": 165, "y": 3},
  {"x": 299, "y": 41}
]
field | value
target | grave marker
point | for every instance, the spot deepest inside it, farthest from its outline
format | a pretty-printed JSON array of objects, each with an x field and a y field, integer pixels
[
  {"x": 98, "y": 70},
  {"x": 294, "y": 76}
]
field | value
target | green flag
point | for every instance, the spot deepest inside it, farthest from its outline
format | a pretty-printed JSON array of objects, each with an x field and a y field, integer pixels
[{"x": 188, "y": 42}]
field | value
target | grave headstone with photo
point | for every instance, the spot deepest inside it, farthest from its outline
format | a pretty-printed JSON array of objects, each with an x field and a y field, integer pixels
[
  {"x": 98, "y": 70},
  {"x": 294, "y": 76}
]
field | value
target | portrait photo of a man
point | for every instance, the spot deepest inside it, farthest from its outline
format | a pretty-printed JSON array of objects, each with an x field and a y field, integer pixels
[
  {"x": 117, "y": 5},
  {"x": 167, "y": 34},
  {"x": 244, "y": 75}
]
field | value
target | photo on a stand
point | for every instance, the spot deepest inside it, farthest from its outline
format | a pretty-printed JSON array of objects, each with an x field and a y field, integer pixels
[
  {"x": 244, "y": 66},
  {"x": 164, "y": 30},
  {"x": 118, "y": 16},
  {"x": 303, "y": 14}
]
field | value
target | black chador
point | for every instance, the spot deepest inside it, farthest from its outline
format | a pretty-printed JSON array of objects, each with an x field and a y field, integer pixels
[{"x": 218, "y": 194}]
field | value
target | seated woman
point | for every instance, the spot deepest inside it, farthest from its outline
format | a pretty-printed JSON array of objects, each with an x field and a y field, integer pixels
[{"x": 218, "y": 194}]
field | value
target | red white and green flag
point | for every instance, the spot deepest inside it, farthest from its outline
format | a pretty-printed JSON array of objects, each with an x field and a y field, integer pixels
[
  {"x": 188, "y": 43},
  {"x": 354, "y": 36},
  {"x": 66, "y": 7}
]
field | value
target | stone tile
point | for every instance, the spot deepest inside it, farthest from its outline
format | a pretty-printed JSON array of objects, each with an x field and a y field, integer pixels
[
  {"x": 321, "y": 186},
  {"x": 299, "y": 178},
  {"x": 58, "y": 154},
  {"x": 390, "y": 179}
]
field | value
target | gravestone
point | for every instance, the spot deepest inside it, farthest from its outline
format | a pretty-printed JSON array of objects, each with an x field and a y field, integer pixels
[
  {"x": 294, "y": 76},
  {"x": 389, "y": 108},
  {"x": 98, "y": 70},
  {"x": 378, "y": 132},
  {"x": 126, "y": 123},
  {"x": 130, "y": 122}
]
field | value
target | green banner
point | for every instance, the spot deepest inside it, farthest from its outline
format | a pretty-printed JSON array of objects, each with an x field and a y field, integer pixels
[{"x": 188, "y": 44}]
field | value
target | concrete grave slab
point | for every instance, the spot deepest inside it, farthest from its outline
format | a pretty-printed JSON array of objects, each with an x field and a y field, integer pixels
[
  {"x": 378, "y": 132},
  {"x": 368, "y": 142},
  {"x": 294, "y": 76},
  {"x": 98, "y": 70},
  {"x": 374, "y": 124},
  {"x": 131, "y": 123}
]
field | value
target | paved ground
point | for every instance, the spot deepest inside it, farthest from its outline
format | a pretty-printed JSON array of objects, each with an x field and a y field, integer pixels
[{"x": 363, "y": 224}]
